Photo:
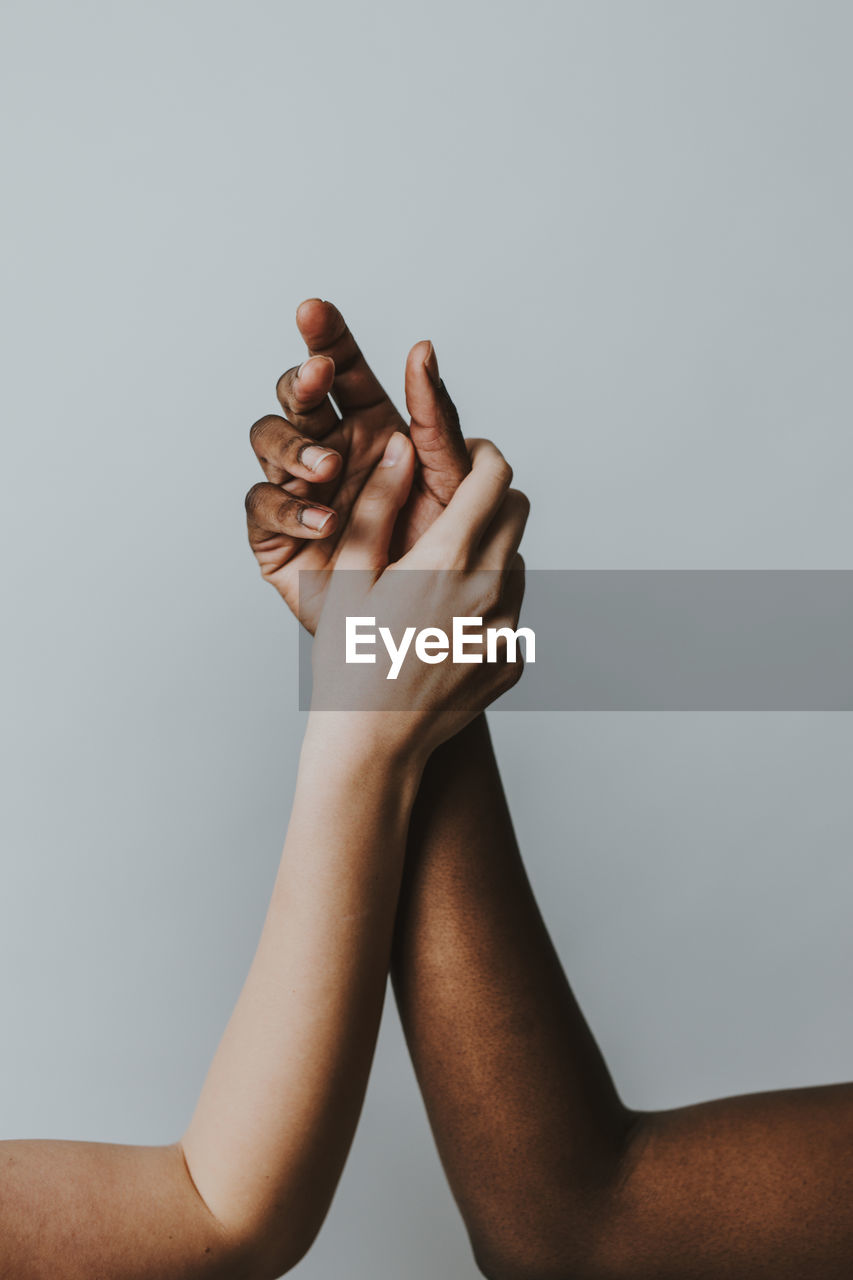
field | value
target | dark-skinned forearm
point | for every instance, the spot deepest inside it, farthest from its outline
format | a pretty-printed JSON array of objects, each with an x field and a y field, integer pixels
[
  {"x": 554, "y": 1177},
  {"x": 527, "y": 1122}
]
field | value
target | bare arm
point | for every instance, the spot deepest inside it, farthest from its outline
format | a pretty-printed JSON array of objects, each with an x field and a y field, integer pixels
[
  {"x": 555, "y": 1178},
  {"x": 246, "y": 1190},
  {"x": 233, "y": 1198}
]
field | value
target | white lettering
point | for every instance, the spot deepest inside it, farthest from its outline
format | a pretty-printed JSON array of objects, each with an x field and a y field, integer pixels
[
  {"x": 460, "y": 639},
  {"x": 353, "y": 639},
  {"x": 396, "y": 654},
  {"x": 512, "y": 638},
  {"x": 432, "y": 645}
]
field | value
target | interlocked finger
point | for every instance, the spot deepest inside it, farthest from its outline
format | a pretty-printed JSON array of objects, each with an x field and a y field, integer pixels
[
  {"x": 283, "y": 452},
  {"x": 272, "y": 512},
  {"x": 303, "y": 393}
]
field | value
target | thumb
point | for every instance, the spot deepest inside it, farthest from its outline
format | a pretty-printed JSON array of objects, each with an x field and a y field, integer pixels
[
  {"x": 435, "y": 430},
  {"x": 365, "y": 541}
]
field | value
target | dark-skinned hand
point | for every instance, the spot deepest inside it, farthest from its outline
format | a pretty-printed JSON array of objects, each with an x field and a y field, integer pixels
[{"x": 316, "y": 460}]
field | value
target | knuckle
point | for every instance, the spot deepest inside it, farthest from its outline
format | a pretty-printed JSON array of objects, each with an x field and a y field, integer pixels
[
  {"x": 509, "y": 673},
  {"x": 448, "y": 554},
  {"x": 520, "y": 502},
  {"x": 256, "y": 430},
  {"x": 274, "y": 441},
  {"x": 515, "y": 670},
  {"x": 378, "y": 495},
  {"x": 486, "y": 454},
  {"x": 283, "y": 388},
  {"x": 287, "y": 511},
  {"x": 503, "y": 471},
  {"x": 371, "y": 503},
  {"x": 259, "y": 430},
  {"x": 489, "y": 592},
  {"x": 253, "y": 497},
  {"x": 294, "y": 446}
]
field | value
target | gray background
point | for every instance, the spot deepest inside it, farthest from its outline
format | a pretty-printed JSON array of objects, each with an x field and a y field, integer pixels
[{"x": 626, "y": 227}]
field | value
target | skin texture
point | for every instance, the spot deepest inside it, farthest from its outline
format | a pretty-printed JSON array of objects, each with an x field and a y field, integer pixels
[
  {"x": 245, "y": 1191},
  {"x": 553, "y": 1175},
  {"x": 555, "y": 1178}
]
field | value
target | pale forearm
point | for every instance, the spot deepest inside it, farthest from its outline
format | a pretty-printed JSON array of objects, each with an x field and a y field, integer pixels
[
  {"x": 279, "y": 1108},
  {"x": 245, "y": 1191},
  {"x": 256, "y": 1170}
]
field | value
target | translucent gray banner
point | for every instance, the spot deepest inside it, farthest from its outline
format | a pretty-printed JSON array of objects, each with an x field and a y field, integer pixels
[{"x": 660, "y": 640}]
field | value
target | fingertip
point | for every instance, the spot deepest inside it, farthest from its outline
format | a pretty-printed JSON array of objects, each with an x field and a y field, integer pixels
[
  {"x": 431, "y": 365},
  {"x": 306, "y": 308},
  {"x": 422, "y": 393},
  {"x": 397, "y": 450},
  {"x": 422, "y": 360},
  {"x": 408, "y": 448},
  {"x": 329, "y": 467},
  {"x": 314, "y": 377},
  {"x": 318, "y": 321},
  {"x": 318, "y": 521},
  {"x": 320, "y": 463}
]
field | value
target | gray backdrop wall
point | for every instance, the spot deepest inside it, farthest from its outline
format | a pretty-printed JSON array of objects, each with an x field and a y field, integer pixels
[{"x": 626, "y": 227}]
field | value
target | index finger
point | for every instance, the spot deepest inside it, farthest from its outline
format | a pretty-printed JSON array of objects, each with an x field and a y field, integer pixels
[{"x": 325, "y": 332}]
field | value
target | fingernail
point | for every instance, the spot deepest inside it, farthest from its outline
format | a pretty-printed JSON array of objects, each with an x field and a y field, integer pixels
[
  {"x": 314, "y": 518},
  {"x": 393, "y": 450},
  {"x": 431, "y": 365},
  {"x": 311, "y": 455}
]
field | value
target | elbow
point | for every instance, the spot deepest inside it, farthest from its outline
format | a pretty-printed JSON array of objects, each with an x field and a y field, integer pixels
[
  {"x": 544, "y": 1254},
  {"x": 274, "y": 1254},
  {"x": 570, "y": 1231},
  {"x": 253, "y": 1244},
  {"x": 592, "y": 1241},
  {"x": 605, "y": 1249},
  {"x": 528, "y": 1265},
  {"x": 268, "y": 1250},
  {"x": 259, "y": 1255},
  {"x": 534, "y": 1264}
]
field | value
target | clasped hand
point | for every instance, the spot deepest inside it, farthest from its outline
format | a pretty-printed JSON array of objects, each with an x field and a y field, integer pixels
[{"x": 356, "y": 501}]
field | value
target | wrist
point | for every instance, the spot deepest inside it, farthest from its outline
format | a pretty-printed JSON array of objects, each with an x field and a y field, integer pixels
[{"x": 374, "y": 744}]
